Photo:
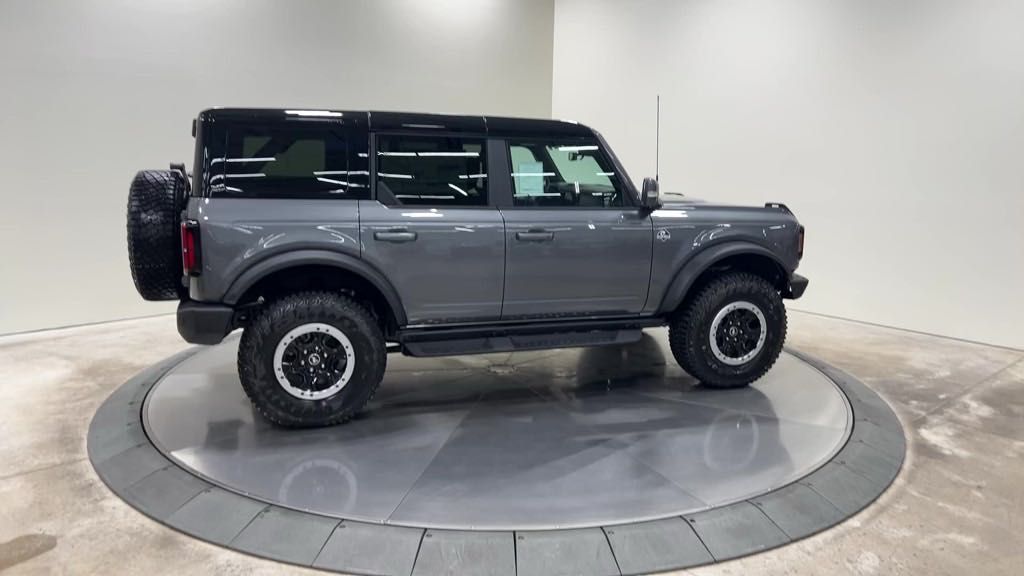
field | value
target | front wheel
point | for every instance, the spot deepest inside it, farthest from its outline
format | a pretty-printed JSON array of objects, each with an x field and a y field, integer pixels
[
  {"x": 311, "y": 359},
  {"x": 732, "y": 332}
]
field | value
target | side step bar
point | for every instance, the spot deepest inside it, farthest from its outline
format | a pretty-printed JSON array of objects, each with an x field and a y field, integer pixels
[
  {"x": 517, "y": 337},
  {"x": 515, "y": 343}
]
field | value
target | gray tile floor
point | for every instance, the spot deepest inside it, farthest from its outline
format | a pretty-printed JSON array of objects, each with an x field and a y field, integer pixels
[{"x": 953, "y": 510}]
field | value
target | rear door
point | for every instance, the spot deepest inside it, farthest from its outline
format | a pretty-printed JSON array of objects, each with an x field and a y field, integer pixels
[
  {"x": 431, "y": 228},
  {"x": 576, "y": 243}
]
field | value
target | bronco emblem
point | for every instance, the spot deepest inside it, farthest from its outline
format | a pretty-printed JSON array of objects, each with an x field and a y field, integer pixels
[{"x": 663, "y": 235}]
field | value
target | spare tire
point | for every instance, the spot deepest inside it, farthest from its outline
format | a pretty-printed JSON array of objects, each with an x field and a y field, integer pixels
[{"x": 155, "y": 202}]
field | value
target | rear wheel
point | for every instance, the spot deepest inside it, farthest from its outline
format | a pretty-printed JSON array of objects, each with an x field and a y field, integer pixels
[
  {"x": 311, "y": 359},
  {"x": 732, "y": 332}
]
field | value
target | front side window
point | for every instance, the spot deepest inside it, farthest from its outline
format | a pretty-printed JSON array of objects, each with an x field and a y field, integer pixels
[
  {"x": 568, "y": 174},
  {"x": 287, "y": 162},
  {"x": 431, "y": 170}
]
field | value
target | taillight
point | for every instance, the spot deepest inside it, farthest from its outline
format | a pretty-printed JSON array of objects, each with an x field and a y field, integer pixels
[
  {"x": 191, "y": 262},
  {"x": 800, "y": 243}
]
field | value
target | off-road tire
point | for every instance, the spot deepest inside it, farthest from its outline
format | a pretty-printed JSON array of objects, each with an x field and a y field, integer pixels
[
  {"x": 155, "y": 201},
  {"x": 268, "y": 327},
  {"x": 689, "y": 332}
]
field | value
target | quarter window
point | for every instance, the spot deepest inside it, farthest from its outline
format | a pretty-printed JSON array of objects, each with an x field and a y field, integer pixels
[
  {"x": 431, "y": 170},
  {"x": 569, "y": 174},
  {"x": 287, "y": 162}
]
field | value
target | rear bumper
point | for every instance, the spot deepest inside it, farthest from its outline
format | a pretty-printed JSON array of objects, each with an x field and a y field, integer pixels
[
  {"x": 796, "y": 288},
  {"x": 797, "y": 285},
  {"x": 202, "y": 323}
]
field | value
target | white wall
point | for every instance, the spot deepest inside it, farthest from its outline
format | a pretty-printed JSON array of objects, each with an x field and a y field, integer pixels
[
  {"x": 93, "y": 90},
  {"x": 894, "y": 129}
]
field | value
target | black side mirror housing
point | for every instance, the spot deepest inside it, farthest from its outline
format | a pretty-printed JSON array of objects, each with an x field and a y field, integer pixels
[{"x": 649, "y": 195}]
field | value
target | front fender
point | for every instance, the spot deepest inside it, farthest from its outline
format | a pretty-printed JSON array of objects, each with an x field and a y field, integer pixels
[{"x": 704, "y": 260}]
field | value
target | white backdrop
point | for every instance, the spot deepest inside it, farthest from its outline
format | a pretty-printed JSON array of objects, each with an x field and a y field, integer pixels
[
  {"x": 895, "y": 131},
  {"x": 93, "y": 90}
]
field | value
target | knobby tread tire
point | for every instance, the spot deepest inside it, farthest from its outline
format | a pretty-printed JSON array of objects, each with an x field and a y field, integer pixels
[
  {"x": 260, "y": 339},
  {"x": 155, "y": 201},
  {"x": 689, "y": 332}
]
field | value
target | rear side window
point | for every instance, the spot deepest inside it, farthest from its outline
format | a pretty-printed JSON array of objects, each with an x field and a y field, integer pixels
[
  {"x": 301, "y": 161},
  {"x": 431, "y": 170},
  {"x": 563, "y": 174}
]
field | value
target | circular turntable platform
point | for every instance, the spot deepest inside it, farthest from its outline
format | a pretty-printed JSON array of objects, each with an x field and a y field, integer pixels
[{"x": 603, "y": 459}]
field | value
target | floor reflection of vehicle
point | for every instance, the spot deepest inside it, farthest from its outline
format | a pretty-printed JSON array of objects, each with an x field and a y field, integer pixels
[
  {"x": 731, "y": 442},
  {"x": 572, "y": 437},
  {"x": 310, "y": 483},
  {"x": 706, "y": 443}
]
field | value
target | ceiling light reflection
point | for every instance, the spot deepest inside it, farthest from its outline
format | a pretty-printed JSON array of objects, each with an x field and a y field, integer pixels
[
  {"x": 457, "y": 189},
  {"x": 321, "y": 113}
]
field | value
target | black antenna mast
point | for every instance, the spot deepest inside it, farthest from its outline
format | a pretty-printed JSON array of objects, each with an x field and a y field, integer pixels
[{"x": 657, "y": 138}]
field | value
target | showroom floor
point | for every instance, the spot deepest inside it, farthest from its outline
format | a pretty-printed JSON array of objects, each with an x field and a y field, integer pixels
[{"x": 955, "y": 508}]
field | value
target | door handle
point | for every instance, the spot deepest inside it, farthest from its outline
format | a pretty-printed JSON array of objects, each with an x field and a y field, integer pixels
[
  {"x": 535, "y": 236},
  {"x": 397, "y": 236}
]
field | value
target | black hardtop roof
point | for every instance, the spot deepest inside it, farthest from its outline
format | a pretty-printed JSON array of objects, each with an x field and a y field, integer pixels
[{"x": 411, "y": 121}]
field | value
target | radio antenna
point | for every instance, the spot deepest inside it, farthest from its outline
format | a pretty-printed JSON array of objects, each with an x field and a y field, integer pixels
[{"x": 657, "y": 137}]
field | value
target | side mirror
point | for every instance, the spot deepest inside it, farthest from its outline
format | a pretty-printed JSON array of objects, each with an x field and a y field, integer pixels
[{"x": 650, "y": 198}]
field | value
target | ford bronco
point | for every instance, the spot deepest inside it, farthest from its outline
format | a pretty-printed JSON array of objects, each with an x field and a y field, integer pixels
[{"x": 334, "y": 237}]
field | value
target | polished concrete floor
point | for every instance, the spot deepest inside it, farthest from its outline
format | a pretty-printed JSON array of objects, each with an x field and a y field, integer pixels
[
  {"x": 957, "y": 507},
  {"x": 552, "y": 439}
]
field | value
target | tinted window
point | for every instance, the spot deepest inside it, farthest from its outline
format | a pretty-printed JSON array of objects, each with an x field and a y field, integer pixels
[
  {"x": 571, "y": 174},
  {"x": 209, "y": 147},
  {"x": 431, "y": 170},
  {"x": 301, "y": 161}
]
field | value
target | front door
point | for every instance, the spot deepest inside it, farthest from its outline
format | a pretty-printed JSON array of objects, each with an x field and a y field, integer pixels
[
  {"x": 430, "y": 229},
  {"x": 575, "y": 243}
]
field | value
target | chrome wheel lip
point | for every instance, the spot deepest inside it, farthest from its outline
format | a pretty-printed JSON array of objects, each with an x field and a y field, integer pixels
[
  {"x": 717, "y": 321},
  {"x": 314, "y": 328}
]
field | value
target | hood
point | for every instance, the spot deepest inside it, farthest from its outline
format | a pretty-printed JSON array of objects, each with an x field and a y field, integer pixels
[{"x": 675, "y": 200}]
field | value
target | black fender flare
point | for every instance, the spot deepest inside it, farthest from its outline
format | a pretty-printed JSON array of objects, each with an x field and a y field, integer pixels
[
  {"x": 296, "y": 258},
  {"x": 705, "y": 259}
]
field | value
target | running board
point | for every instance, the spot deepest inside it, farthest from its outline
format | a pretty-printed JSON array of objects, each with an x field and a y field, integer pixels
[
  {"x": 483, "y": 339},
  {"x": 488, "y": 344}
]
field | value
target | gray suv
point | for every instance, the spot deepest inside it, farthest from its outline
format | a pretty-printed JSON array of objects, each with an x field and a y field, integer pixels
[{"x": 334, "y": 237}]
